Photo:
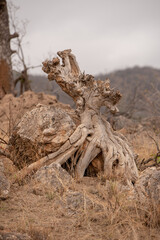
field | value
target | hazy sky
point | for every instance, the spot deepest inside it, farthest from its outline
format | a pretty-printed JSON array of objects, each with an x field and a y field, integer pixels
[{"x": 104, "y": 35}]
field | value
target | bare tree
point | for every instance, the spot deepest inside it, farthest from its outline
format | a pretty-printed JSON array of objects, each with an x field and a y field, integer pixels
[
  {"x": 18, "y": 45},
  {"x": 19, "y": 58},
  {"x": 6, "y": 77}
]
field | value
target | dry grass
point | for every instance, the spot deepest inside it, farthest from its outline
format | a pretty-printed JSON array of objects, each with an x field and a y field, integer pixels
[
  {"x": 144, "y": 146},
  {"x": 44, "y": 214}
]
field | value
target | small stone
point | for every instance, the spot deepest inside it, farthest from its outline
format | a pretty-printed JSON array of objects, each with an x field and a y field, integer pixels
[
  {"x": 4, "y": 184},
  {"x": 53, "y": 175}
]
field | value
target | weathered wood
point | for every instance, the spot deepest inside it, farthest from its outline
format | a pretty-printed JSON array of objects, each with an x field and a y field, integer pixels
[{"x": 90, "y": 95}]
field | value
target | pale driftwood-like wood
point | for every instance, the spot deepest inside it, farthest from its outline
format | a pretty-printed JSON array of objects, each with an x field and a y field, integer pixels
[{"x": 90, "y": 95}]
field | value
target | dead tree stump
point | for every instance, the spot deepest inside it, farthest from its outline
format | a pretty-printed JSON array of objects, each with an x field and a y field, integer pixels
[{"x": 94, "y": 135}]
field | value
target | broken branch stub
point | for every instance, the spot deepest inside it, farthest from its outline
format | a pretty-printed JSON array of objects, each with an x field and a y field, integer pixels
[{"x": 90, "y": 95}]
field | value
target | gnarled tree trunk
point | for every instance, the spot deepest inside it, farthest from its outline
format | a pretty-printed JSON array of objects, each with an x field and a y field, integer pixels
[
  {"x": 6, "y": 78},
  {"x": 94, "y": 135}
]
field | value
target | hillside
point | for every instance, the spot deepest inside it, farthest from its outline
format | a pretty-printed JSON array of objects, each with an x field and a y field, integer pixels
[
  {"x": 42, "y": 84},
  {"x": 140, "y": 88}
]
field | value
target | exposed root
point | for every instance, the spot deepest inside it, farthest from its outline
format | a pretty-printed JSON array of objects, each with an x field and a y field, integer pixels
[{"x": 58, "y": 157}]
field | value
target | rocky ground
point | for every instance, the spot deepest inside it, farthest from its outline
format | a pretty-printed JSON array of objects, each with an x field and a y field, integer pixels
[{"x": 50, "y": 204}]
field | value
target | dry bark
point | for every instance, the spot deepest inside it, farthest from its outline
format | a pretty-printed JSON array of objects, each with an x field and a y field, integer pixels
[
  {"x": 94, "y": 134},
  {"x": 6, "y": 78}
]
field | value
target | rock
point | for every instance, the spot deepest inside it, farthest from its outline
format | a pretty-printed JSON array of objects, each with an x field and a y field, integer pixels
[
  {"x": 14, "y": 236},
  {"x": 75, "y": 200},
  {"x": 9, "y": 167},
  {"x": 4, "y": 183},
  {"x": 41, "y": 131},
  {"x": 53, "y": 175},
  {"x": 148, "y": 184},
  {"x": 60, "y": 181}
]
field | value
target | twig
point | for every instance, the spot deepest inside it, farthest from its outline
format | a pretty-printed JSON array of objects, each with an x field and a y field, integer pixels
[
  {"x": 2, "y": 152},
  {"x": 32, "y": 67},
  {"x": 3, "y": 141},
  {"x": 155, "y": 142}
]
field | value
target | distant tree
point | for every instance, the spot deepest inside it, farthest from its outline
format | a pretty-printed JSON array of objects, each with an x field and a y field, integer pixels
[
  {"x": 19, "y": 60},
  {"x": 6, "y": 76}
]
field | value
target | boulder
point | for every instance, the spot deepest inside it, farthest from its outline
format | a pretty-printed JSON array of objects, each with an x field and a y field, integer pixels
[
  {"x": 148, "y": 185},
  {"x": 14, "y": 236},
  {"x": 53, "y": 175},
  {"x": 59, "y": 181},
  {"x": 75, "y": 200},
  {"x": 41, "y": 131}
]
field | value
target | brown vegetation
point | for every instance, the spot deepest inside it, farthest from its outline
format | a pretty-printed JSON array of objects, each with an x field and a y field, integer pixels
[
  {"x": 41, "y": 211},
  {"x": 45, "y": 213}
]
